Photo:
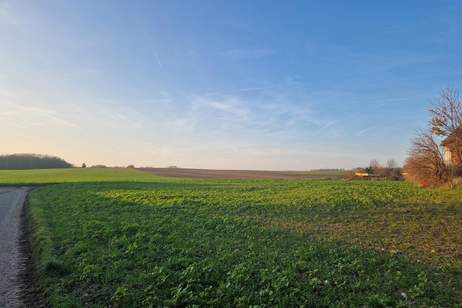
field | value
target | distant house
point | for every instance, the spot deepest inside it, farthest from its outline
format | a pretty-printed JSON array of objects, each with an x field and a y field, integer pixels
[{"x": 451, "y": 145}]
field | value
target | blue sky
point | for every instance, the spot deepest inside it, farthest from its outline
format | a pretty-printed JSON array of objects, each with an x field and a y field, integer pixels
[{"x": 224, "y": 84}]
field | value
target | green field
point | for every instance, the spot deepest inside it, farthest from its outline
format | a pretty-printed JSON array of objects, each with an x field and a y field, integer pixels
[
  {"x": 50, "y": 176},
  {"x": 149, "y": 241}
]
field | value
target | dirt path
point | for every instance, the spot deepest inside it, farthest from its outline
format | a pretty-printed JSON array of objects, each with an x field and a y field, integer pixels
[{"x": 11, "y": 203}]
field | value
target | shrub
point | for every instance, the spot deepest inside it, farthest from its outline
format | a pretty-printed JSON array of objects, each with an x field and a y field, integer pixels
[{"x": 425, "y": 165}]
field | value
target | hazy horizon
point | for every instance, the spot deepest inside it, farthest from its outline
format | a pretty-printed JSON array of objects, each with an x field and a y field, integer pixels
[{"x": 223, "y": 85}]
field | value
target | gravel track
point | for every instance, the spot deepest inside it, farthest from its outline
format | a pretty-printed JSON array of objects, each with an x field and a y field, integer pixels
[{"x": 11, "y": 204}]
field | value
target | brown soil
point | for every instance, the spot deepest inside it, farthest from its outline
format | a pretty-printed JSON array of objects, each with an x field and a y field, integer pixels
[{"x": 237, "y": 174}]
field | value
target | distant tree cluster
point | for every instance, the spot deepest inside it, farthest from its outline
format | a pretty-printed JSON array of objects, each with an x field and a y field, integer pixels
[
  {"x": 390, "y": 171},
  {"x": 31, "y": 161}
]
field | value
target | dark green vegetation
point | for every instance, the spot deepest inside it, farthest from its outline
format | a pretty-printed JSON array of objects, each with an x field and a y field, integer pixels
[
  {"x": 178, "y": 242},
  {"x": 31, "y": 161}
]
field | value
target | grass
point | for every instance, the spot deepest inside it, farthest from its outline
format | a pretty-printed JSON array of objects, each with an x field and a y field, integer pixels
[
  {"x": 52, "y": 176},
  {"x": 173, "y": 242}
]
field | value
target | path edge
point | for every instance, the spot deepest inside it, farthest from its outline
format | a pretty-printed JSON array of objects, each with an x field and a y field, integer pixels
[{"x": 31, "y": 294}]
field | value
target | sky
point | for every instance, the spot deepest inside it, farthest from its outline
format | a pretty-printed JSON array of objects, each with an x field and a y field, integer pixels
[{"x": 276, "y": 85}]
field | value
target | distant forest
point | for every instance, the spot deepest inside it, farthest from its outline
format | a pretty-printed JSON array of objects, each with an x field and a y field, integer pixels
[{"x": 32, "y": 161}]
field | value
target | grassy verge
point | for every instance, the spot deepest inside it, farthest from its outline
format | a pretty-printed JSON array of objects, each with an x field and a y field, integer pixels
[
  {"x": 240, "y": 243},
  {"x": 36, "y": 248}
]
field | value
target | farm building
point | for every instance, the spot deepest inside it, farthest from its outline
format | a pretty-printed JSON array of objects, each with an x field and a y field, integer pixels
[{"x": 452, "y": 146}]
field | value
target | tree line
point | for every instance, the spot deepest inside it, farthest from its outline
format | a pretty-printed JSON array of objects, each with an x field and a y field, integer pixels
[{"x": 32, "y": 161}]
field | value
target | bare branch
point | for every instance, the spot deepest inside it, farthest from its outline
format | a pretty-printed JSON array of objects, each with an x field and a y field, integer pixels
[
  {"x": 425, "y": 164},
  {"x": 447, "y": 115}
]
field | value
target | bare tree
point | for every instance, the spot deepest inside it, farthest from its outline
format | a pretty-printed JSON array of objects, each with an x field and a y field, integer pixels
[
  {"x": 447, "y": 119},
  {"x": 447, "y": 115},
  {"x": 392, "y": 170},
  {"x": 425, "y": 165},
  {"x": 374, "y": 166},
  {"x": 392, "y": 164}
]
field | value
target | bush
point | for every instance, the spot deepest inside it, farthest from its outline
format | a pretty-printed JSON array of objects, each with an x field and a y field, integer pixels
[{"x": 425, "y": 165}]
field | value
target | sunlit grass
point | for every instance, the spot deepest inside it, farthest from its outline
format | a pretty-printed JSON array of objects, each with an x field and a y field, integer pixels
[
  {"x": 240, "y": 243},
  {"x": 47, "y": 176}
]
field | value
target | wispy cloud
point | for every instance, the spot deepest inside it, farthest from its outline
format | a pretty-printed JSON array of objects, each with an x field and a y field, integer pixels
[
  {"x": 227, "y": 105},
  {"x": 249, "y": 53},
  {"x": 268, "y": 115},
  {"x": 294, "y": 114},
  {"x": 241, "y": 90},
  {"x": 156, "y": 55},
  {"x": 8, "y": 15},
  {"x": 34, "y": 115},
  {"x": 363, "y": 132}
]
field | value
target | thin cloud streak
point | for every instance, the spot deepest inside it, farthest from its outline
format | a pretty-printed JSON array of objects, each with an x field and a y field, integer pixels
[
  {"x": 250, "y": 89},
  {"x": 363, "y": 132},
  {"x": 156, "y": 55},
  {"x": 229, "y": 105},
  {"x": 24, "y": 114},
  {"x": 249, "y": 53},
  {"x": 8, "y": 16}
]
